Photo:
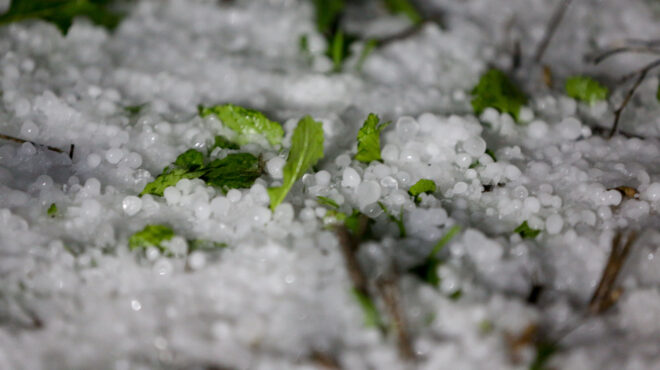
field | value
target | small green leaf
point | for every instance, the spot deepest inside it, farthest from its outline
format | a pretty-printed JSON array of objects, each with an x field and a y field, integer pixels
[
  {"x": 52, "y": 210},
  {"x": 151, "y": 236},
  {"x": 61, "y": 13},
  {"x": 245, "y": 122},
  {"x": 235, "y": 171},
  {"x": 339, "y": 49},
  {"x": 544, "y": 351},
  {"x": 223, "y": 143},
  {"x": 306, "y": 150},
  {"x": 134, "y": 109},
  {"x": 190, "y": 160},
  {"x": 526, "y": 232},
  {"x": 327, "y": 202},
  {"x": 657, "y": 94},
  {"x": 398, "y": 221},
  {"x": 495, "y": 90},
  {"x": 367, "y": 49},
  {"x": 328, "y": 13},
  {"x": 371, "y": 315},
  {"x": 491, "y": 154},
  {"x": 369, "y": 139},
  {"x": 428, "y": 270},
  {"x": 352, "y": 222},
  {"x": 423, "y": 186},
  {"x": 456, "y": 295},
  {"x": 204, "y": 245},
  {"x": 406, "y": 8},
  {"x": 585, "y": 89}
]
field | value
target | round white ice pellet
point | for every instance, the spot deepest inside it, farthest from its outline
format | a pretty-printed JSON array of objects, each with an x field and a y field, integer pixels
[
  {"x": 322, "y": 178},
  {"x": 114, "y": 155},
  {"x": 172, "y": 195},
  {"x": 390, "y": 152},
  {"x": 93, "y": 160},
  {"x": 131, "y": 205},
  {"x": 570, "y": 128},
  {"x": 474, "y": 146},
  {"x": 350, "y": 178},
  {"x": 274, "y": 167},
  {"x": 220, "y": 206},
  {"x": 368, "y": 192},
  {"x": 554, "y": 224},
  {"x": 406, "y": 128},
  {"x": 652, "y": 192},
  {"x": 234, "y": 195}
]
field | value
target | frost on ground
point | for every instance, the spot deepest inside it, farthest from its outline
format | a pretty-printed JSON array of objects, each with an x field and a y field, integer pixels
[{"x": 270, "y": 289}]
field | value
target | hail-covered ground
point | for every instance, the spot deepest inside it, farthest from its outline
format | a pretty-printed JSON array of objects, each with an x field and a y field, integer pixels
[{"x": 276, "y": 292}]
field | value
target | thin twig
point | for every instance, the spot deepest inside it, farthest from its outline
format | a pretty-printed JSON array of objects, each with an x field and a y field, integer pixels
[
  {"x": 606, "y": 292},
  {"x": 406, "y": 33},
  {"x": 550, "y": 30},
  {"x": 641, "y": 74},
  {"x": 598, "y": 58},
  {"x": 22, "y": 141},
  {"x": 389, "y": 291}
]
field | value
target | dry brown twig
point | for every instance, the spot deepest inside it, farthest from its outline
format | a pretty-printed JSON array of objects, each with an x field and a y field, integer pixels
[
  {"x": 641, "y": 74},
  {"x": 51, "y": 148},
  {"x": 551, "y": 28},
  {"x": 388, "y": 289}
]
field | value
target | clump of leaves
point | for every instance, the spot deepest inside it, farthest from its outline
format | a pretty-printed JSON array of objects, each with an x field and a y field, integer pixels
[
  {"x": 585, "y": 89},
  {"x": 52, "y": 210},
  {"x": 544, "y": 352},
  {"x": 306, "y": 150},
  {"x": 406, "y": 8},
  {"x": 151, "y": 236},
  {"x": 428, "y": 270},
  {"x": 245, "y": 122},
  {"x": 328, "y": 23},
  {"x": 235, "y": 171},
  {"x": 526, "y": 232},
  {"x": 369, "y": 139},
  {"x": 423, "y": 186},
  {"x": 496, "y": 90},
  {"x": 61, "y": 13}
]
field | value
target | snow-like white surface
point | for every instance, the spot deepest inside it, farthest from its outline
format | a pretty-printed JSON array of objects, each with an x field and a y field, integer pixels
[{"x": 72, "y": 295}]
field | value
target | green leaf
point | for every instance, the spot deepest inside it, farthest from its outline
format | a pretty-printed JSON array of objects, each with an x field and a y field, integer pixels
[
  {"x": 134, "y": 109},
  {"x": 491, "y": 154},
  {"x": 328, "y": 13},
  {"x": 151, "y": 236},
  {"x": 428, "y": 270},
  {"x": 367, "y": 49},
  {"x": 223, "y": 143},
  {"x": 245, "y": 122},
  {"x": 657, "y": 94},
  {"x": 190, "y": 160},
  {"x": 169, "y": 177},
  {"x": 61, "y": 12},
  {"x": 52, "y": 210},
  {"x": 339, "y": 49},
  {"x": 544, "y": 351},
  {"x": 406, "y": 8},
  {"x": 526, "y": 232},
  {"x": 398, "y": 221},
  {"x": 585, "y": 89},
  {"x": 306, "y": 150},
  {"x": 235, "y": 171},
  {"x": 495, "y": 90},
  {"x": 423, "y": 186},
  {"x": 369, "y": 139},
  {"x": 327, "y": 202},
  {"x": 204, "y": 245},
  {"x": 371, "y": 315}
]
